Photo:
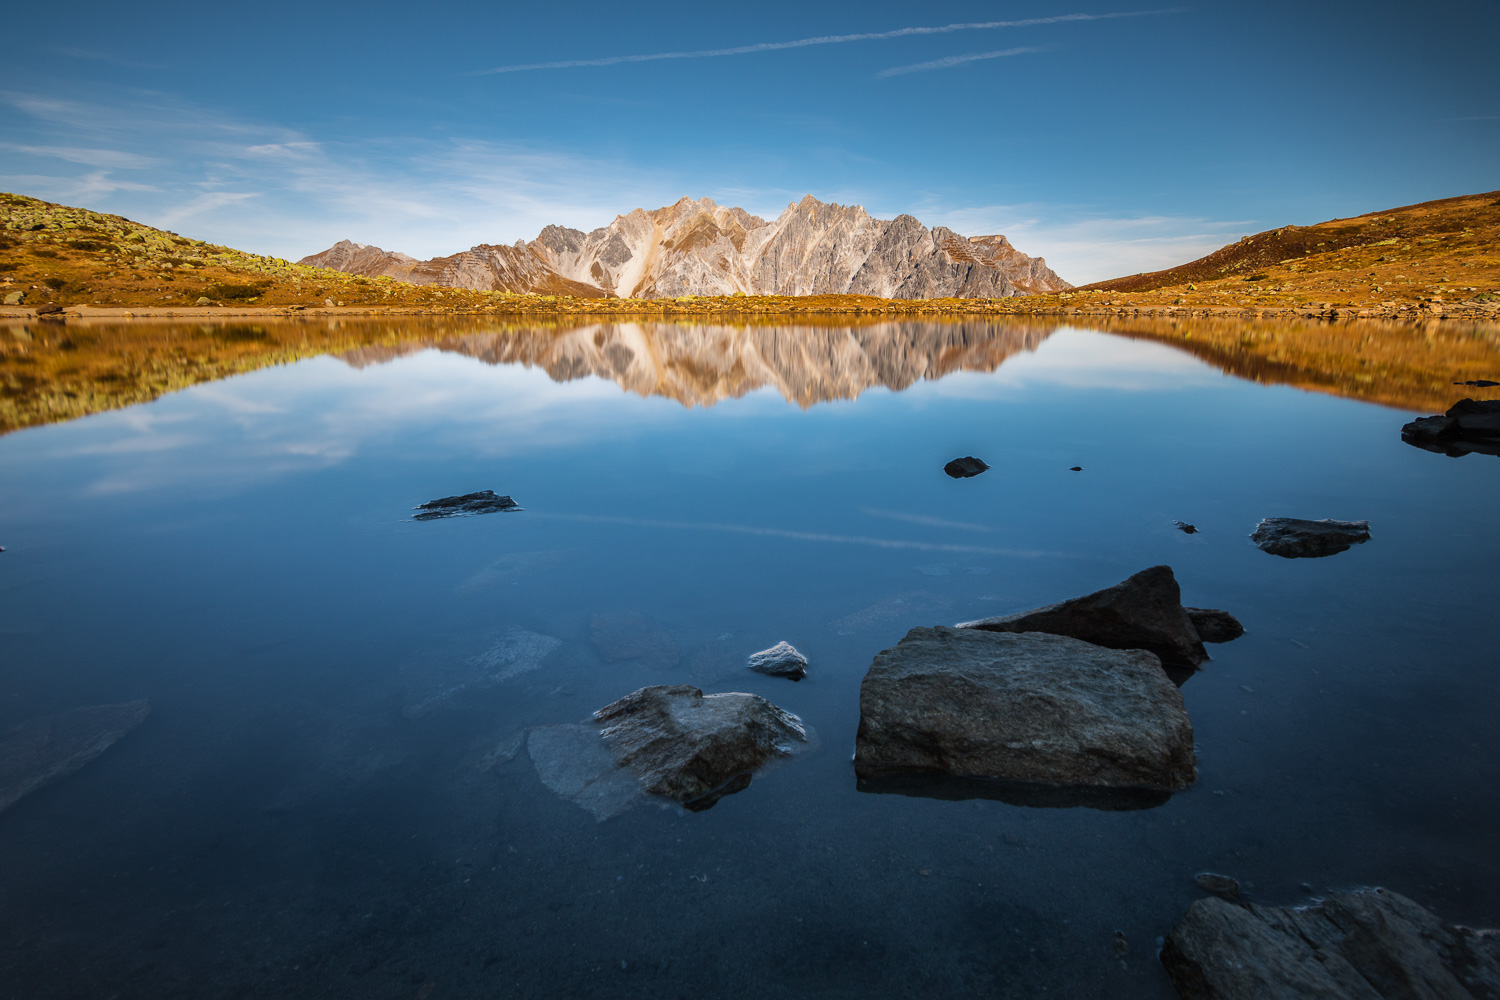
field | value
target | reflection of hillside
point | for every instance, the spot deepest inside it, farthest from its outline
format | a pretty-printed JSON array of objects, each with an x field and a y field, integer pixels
[
  {"x": 1396, "y": 364},
  {"x": 698, "y": 365},
  {"x": 51, "y": 372}
]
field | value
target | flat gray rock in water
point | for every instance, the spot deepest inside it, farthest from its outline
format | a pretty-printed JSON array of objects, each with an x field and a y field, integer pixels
[
  {"x": 1031, "y": 707},
  {"x": 630, "y": 635},
  {"x": 1143, "y": 612},
  {"x": 781, "y": 660},
  {"x": 483, "y": 502},
  {"x": 1295, "y": 538},
  {"x": 40, "y": 751},
  {"x": 436, "y": 678},
  {"x": 1366, "y": 945},
  {"x": 907, "y": 605}
]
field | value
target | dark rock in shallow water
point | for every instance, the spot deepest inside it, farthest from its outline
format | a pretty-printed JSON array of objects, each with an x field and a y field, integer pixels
[
  {"x": 1219, "y": 885},
  {"x": 40, "y": 751},
  {"x": 1363, "y": 945},
  {"x": 483, "y": 502},
  {"x": 965, "y": 468},
  {"x": 1295, "y": 538},
  {"x": 1185, "y": 528},
  {"x": 1032, "y": 707},
  {"x": 1142, "y": 612},
  {"x": 781, "y": 660},
  {"x": 630, "y": 635},
  {"x": 694, "y": 748},
  {"x": 1213, "y": 625},
  {"x": 1469, "y": 426}
]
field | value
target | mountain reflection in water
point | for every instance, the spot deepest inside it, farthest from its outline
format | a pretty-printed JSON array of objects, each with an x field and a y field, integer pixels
[
  {"x": 701, "y": 365},
  {"x": 51, "y": 372}
]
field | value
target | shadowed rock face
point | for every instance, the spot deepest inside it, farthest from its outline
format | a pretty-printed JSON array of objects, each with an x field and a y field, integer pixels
[
  {"x": 1031, "y": 707},
  {"x": 1142, "y": 612},
  {"x": 699, "y": 248},
  {"x": 1363, "y": 945},
  {"x": 40, "y": 751}
]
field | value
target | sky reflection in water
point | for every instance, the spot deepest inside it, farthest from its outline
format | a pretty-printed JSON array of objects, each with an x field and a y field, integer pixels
[{"x": 241, "y": 553}]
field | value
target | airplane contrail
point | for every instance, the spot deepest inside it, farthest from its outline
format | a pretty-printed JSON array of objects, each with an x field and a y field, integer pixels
[{"x": 865, "y": 36}]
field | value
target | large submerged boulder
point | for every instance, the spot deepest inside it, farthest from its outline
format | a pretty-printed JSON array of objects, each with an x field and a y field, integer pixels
[
  {"x": 1470, "y": 425},
  {"x": 630, "y": 635},
  {"x": 1142, "y": 612},
  {"x": 672, "y": 742},
  {"x": 40, "y": 751},
  {"x": 1295, "y": 538},
  {"x": 695, "y": 748},
  {"x": 1030, "y": 707},
  {"x": 1363, "y": 945},
  {"x": 441, "y": 677}
]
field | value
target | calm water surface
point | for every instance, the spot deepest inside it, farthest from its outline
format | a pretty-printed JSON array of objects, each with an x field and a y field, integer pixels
[{"x": 241, "y": 554}]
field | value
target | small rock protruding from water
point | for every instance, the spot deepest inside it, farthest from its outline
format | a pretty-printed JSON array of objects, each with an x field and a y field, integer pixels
[
  {"x": 1470, "y": 425},
  {"x": 1185, "y": 528},
  {"x": 781, "y": 660},
  {"x": 1214, "y": 625},
  {"x": 483, "y": 502},
  {"x": 1219, "y": 885},
  {"x": 1296, "y": 538},
  {"x": 965, "y": 468},
  {"x": 1075, "y": 468}
]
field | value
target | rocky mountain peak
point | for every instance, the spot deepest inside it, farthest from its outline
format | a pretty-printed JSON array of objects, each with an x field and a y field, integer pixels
[{"x": 697, "y": 247}]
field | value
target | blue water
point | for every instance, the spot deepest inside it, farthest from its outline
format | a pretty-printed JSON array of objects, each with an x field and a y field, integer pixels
[{"x": 241, "y": 554}]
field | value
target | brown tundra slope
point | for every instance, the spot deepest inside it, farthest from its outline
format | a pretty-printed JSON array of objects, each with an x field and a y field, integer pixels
[{"x": 1438, "y": 252}]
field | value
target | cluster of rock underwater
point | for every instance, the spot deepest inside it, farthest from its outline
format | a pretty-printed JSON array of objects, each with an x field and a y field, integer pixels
[{"x": 700, "y": 248}]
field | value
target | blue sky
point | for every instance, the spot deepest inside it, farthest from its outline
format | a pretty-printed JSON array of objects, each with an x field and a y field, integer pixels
[{"x": 1130, "y": 138}]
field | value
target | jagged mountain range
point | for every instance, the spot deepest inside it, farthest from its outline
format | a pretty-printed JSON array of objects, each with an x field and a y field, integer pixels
[
  {"x": 702, "y": 364},
  {"x": 700, "y": 248}
]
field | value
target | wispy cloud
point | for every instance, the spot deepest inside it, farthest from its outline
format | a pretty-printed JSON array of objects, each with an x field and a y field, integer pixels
[
  {"x": 950, "y": 61},
  {"x": 91, "y": 55},
  {"x": 798, "y": 43},
  {"x": 108, "y": 158},
  {"x": 1085, "y": 245}
]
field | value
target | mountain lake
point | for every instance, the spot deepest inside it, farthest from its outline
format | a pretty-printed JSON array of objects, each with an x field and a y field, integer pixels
[{"x": 333, "y": 793}]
